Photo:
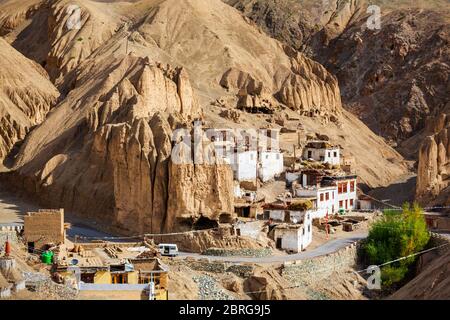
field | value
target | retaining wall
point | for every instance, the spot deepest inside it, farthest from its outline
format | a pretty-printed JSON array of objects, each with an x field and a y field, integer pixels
[{"x": 311, "y": 270}]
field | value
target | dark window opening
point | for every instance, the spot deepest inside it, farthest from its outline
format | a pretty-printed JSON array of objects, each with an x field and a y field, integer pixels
[
  {"x": 279, "y": 240},
  {"x": 119, "y": 278},
  {"x": 30, "y": 247},
  {"x": 243, "y": 212},
  {"x": 88, "y": 277}
]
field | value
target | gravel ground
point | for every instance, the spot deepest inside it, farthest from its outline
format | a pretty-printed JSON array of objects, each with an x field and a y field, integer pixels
[
  {"x": 254, "y": 253},
  {"x": 208, "y": 289},
  {"x": 43, "y": 285}
]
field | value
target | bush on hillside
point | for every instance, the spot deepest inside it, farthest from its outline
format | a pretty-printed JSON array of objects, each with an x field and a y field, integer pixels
[{"x": 398, "y": 234}]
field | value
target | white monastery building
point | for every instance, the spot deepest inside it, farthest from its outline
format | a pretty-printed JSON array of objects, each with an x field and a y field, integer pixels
[
  {"x": 322, "y": 151},
  {"x": 333, "y": 193}
]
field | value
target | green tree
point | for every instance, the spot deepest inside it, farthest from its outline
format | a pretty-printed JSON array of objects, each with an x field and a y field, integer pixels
[{"x": 398, "y": 234}]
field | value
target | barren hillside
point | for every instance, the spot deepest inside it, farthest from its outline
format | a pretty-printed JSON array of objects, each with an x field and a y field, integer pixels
[
  {"x": 432, "y": 283},
  {"x": 26, "y": 95}
]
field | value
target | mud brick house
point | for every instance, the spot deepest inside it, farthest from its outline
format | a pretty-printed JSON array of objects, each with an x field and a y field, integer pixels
[{"x": 43, "y": 228}]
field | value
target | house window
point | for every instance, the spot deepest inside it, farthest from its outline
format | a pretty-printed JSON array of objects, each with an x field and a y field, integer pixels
[
  {"x": 344, "y": 187},
  {"x": 335, "y": 154},
  {"x": 309, "y": 154},
  {"x": 352, "y": 186},
  {"x": 351, "y": 202},
  {"x": 321, "y": 197},
  {"x": 267, "y": 156},
  {"x": 341, "y": 204},
  {"x": 278, "y": 156},
  {"x": 327, "y": 196},
  {"x": 340, "y": 188},
  {"x": 303, "y": 231},
  {"x": 329, "y": 154},
  {"x": 346, "y": 204}
]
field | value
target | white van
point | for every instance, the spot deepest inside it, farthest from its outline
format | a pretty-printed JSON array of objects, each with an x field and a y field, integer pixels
[{"x": 167, "y": 249}]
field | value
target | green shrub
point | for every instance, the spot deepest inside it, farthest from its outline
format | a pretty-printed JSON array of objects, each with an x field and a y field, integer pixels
[{"x": 398, "y": 234}]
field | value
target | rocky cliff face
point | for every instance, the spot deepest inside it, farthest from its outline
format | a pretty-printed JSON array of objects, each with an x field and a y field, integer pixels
[
  {"x": 306, "y": 26},
  {"x": 433, "y": 179},
  {"x": 208, "y": 56},
  {"x": 26, "y": 95},
  {"x": 395, "y": 77},
  {"x": 109, "y": 156},
  {"x": 391, "y": 78}
]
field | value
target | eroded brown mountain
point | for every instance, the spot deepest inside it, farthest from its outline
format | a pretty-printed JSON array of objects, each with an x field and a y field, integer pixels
[
  {"x": 433, "y": 178},
  {"x": 26, "y": 95}
]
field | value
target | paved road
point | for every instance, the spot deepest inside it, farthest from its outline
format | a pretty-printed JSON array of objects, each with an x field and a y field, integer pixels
[
  {"x": 327, "y": 248},
  {"x": 444, "y": 233}
]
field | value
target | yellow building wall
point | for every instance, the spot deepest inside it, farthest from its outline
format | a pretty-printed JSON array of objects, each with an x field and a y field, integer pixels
[
  {"x": 161, "y": 294},
  {"x": 102, "y": 277},
  {"x": 133, "y": 277}
]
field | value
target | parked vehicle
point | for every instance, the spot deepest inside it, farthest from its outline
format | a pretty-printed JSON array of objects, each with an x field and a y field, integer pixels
[{"x": 167, "y": 249}]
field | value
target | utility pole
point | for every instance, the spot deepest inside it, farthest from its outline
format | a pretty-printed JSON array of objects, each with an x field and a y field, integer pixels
[
  {"x": 7, "y": 247},
  {"x": 151, "y": 289}
]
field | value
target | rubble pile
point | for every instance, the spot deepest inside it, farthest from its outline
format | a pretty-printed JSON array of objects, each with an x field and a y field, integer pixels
[
  {"x": 43, "y": 284},
  {"x": 209, "y": 290}
]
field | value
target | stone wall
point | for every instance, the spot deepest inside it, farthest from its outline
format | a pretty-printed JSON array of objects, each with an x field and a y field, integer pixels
[
  {"x": 241, "y": 270},
  {"x": 5, "y": 235},
  {"x": 311, "y": 270},
  {"x": 437, "y": 240},
  {"x": 257, "y": 252}
]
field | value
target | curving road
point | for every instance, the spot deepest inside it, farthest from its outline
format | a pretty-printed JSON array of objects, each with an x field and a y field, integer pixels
[{"x": 327, "y": 248}]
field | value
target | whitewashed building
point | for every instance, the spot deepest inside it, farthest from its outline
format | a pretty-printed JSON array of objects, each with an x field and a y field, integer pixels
[
  {"x": 270, "y": 165},
  {"x": 322, "y": 151},
  {"x": 346, "y": 191},
  {"x": 244, "y": 165},
  {"x": 294, "y": 237},
  {"x": 251, "y": 154},
  {"x": 332, "y": 193}
]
